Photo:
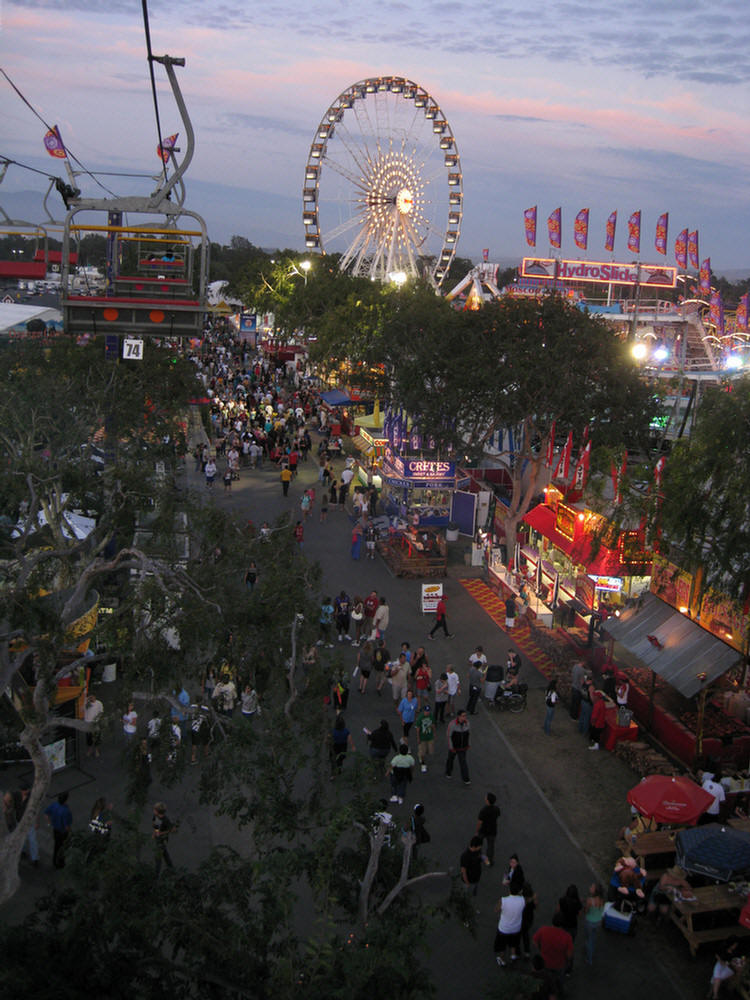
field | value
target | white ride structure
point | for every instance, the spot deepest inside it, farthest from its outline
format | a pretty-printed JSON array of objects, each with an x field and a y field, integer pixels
[{"x": 383, "y": 184}]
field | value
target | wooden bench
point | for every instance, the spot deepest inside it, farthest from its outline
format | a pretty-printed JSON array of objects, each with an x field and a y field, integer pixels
[{"x": 715, "y": 903}]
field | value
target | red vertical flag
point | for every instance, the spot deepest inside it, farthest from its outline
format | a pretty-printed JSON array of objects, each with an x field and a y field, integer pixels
[
  {"x": 693, "y": 248},
  {"x": 634, "y": 232},
  {"x": 662, "y": 225},
  {"x": 563, "y": 463},
  {"x": 741, "y": 317},
  {"x": 486, "y": 254},
  {"x": 554, "y": 223},
  {"x": 582, "y": 468},
  {"x": 581, "y": 229},
  {"x": 551, "y": 445},
  {"x": 680, "y": 249},
  {"x": 529, "y": 225},
  {"x": 609, "y": 238},
  {"x": 704, "y": 277}
]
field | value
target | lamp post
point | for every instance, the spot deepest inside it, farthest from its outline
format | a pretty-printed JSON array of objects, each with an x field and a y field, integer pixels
[{"x": 301, "y": 272}]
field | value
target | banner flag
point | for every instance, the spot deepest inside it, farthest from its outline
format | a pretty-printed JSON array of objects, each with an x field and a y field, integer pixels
[
  {"x": 581, "y": 229},
  {"x": 662, "y": 226},
  {"x": 618, "y": 477},
  {"x": 582, "y": 468},
  {"x": 680, "y": 249},
  {"x": 634, "y": 232},
  {"x": 658, "y": 469},
  {"x": 554, "y": 224},
  {"x": 486, "y": 254},
  {"x": 529, "y": 225},
  {"x": 716, "y": 313},
  {"x": 704, "y": 277},
  {"x": 165, "y": 149},
  {"x": 693, "y": 249},
  {"x": 741, "y": 317},
  {"x": 563, "y": 463},
  {"x": 54, "y": 145},
  {"x": 609, "y": 239},
  {"x": 551, "y": 445}
]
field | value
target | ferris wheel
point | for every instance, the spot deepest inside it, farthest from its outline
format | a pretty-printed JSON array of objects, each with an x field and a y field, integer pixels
[{"x": 383, "y": 184}]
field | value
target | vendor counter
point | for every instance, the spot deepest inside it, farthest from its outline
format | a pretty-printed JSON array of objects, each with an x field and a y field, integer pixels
[
  {"x": 504, "y": 582},
  {"x": 614, "y": 732}
]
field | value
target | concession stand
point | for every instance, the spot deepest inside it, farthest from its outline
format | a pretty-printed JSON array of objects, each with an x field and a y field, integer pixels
[
  {"x": 418, "y": 490},
  {"x": 685, "y": 653},
  {"x": 574, "y": 565}
]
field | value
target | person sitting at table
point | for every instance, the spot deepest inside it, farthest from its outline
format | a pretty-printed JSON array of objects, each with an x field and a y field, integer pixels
[
  {"x": 723, "y": 971},
  {"x": 627, "y": 881},
  {"x": 638, "y": 824},
  {"x": 673, "y": 881}
]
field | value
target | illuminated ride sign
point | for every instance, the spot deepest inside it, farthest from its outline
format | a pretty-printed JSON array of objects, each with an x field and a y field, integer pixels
[
  {"x": 611, "y": 583},
  {"x": 603, "y": 272}
]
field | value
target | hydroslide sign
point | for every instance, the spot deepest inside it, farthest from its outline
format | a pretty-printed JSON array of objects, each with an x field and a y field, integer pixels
[{"x": 603, "y": 272}]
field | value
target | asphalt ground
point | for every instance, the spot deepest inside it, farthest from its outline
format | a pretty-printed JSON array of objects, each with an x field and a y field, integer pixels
[{"x": 561, "y": 805}]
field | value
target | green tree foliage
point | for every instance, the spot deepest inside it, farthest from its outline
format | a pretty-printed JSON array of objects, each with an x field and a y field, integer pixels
[{"x": 704, "y": 509}]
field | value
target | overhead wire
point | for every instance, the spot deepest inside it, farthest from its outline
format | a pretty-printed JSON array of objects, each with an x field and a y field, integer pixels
[
  {"x": 30, "y": 106},
  {"x": 150, "y": 54}
]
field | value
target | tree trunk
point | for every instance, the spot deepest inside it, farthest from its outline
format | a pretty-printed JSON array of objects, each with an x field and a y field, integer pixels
[{"x": 12, "y": 845}]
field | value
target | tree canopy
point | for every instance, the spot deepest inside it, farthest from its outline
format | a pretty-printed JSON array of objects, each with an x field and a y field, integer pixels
[{"x": 706, "y": 484}]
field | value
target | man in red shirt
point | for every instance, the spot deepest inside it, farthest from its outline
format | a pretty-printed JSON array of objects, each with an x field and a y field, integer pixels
[
  {"x": 556, "y": 948},
  {"x": 441, "y": 621},
  {"x": 372, "y": 603}
]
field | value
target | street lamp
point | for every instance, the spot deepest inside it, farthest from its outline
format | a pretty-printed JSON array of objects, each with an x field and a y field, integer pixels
[{"x": 305, "y": 266}]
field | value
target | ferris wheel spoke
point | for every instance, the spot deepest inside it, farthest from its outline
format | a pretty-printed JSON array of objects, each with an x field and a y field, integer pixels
[
  {"x": 349, "y": 225},
  {"x": 356, "y": 150},
  {"x": 357, "y": 247},
  {"x": 343, "y": 170}
]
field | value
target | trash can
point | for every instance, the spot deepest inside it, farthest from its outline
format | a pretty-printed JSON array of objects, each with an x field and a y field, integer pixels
[
  {"x": 109, "y": 672},
  {"x": 451, "y": 532}
]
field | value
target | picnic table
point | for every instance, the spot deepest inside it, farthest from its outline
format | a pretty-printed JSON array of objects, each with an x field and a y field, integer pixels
[{"x": 711, "y": 916}]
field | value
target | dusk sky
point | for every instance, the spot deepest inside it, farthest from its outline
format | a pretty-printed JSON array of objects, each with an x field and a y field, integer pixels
[{"x": 605, "y": 105}]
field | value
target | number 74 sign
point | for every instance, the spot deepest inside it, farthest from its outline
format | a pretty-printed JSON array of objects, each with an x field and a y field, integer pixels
[{"x": 132, "y": 350}]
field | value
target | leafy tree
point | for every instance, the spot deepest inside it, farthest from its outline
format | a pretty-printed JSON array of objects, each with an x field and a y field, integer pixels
[
  {"x": 704, "y": 509},
  {"x": 526, "y": 365},
  {"x": 63, "y": 410}
]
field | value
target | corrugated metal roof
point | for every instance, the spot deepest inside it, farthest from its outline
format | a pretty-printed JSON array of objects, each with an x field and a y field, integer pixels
[{"x": 672, "y": 645}]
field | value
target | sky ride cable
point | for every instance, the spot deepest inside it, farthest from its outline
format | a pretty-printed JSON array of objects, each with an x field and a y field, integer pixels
[
  {"x": 49, "y": 128},
  {"x": 150, "y": 54}
]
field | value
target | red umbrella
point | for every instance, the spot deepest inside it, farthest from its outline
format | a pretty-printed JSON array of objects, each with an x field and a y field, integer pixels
[{"x": 669, "y": 799}]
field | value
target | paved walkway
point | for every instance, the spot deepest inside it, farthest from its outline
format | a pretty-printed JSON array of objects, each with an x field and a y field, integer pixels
[{"x": 537, "y": 783}]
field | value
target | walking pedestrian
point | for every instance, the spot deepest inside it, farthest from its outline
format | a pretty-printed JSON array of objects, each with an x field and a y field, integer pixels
[
  {"x": 529, "y": 912},
  {"x": 441, "y": 697},
  {"x": 441, "y": 619},
  {"x": 508, "y": 935},
  {"x": 380, "y": 659},
  {"x": 593, "y": 914},
  {"x": 454, "y": 688},
  {"x": 458, "y": 746},
  {"x": 381, "y": 741},
  {"x": 475, "y": 679},
  {"x": 422, "y": 676},
  {"x": 286, "y": 477},
  {"x": 550, "y": 700},
  {"x": 584, "y": 712},
  {"x": 20, "y": 801},
  {"x": 514, "y": 877},
  {"x": 61, "y": 820},
  {"x": 577, "y": 680},
  {"x": 209, "y": 471},
  {"x": 556, "y": 948},
  {"x": 371, "y": 605},
  {"x": 364, "y": 665},
  {"x": 418, "y": 829},
  {"x": 398, "y": 672},
  {"x": 425, "y": 726},
  {"x": 487, "y": 824},
  {"x": 381, "y": 618},
  {"x": 92, "y": 714},
  {"x": 342, "y": 605},
  {"x": 400, "y": 772},
  {"x": 598, "y": 718},
  {"x": 371, "y": 535},
  {"x": 471, "y": 865},
  {"x": 325, "y": 621},
  {"x": 161, "y": 829},
  {"x": 511, "y": 610},
  {"x": 356, "y": 545},
  {"x": 251, "y": 576},
  {"x": 130, "y": 723},
  {"x": 341, "y": 741},
  {"x": 357, "y": 616},
  {"x": 407, "y": 710},
  {"x": 299, "y": 535}
]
